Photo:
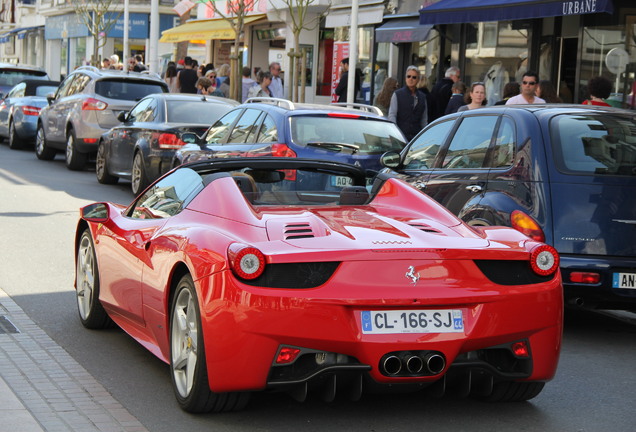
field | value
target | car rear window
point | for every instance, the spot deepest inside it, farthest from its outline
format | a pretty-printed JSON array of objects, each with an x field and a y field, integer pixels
[
  {"x": 11, "y": 77},
  {"x": 195, "y": 112},
  {"x": 371, "y": 136},
  {"x": 129, "y": 90},
  {"x": 599, "y": 144}
]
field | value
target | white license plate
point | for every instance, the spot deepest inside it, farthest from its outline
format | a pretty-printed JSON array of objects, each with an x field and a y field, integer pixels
[
  {"x": 412, "y": 321},
  {"x": 342, "y": 181},
  {"x": 624, "y": 280}
]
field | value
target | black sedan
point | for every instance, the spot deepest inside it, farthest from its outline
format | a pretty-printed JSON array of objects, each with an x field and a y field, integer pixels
[{"x": 141, "y": 148}]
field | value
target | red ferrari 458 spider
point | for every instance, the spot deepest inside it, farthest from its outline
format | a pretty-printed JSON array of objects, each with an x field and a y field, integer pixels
[{"x": 292, "y": 274}]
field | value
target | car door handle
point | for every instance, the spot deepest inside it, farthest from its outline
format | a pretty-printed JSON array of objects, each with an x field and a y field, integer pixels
[{"x": 474, "y": 188}]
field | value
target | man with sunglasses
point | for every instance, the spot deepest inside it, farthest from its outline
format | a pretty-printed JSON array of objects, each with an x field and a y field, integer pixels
[
  {"x": 408, "y": 108},
  {"x": 529, "y": 83}
]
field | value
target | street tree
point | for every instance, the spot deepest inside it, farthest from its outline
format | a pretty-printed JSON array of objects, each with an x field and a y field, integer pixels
[{"x": 99, "y": 18}]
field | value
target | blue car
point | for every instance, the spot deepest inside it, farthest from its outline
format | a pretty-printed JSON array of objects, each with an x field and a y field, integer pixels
[
  {"x": 561, "y": 174},
  {"x": 354, "y": 134},
  {"x": 20, "y": 108}
]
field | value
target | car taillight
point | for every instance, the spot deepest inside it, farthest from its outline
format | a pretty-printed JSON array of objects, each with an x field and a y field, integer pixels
[
  {"x": 544, "y": 260},
  {"x": 287, "y": 355},
  {"x": 30, "y": 110},
  {"x": 246, "y": 262},
  {"x": 520, "y": 349},
  {"x": 169, "y": 141},
  {"x": 590, "y": 278},
  {"x": 282, "y": 150},
  {"x": 343, "y": 115},
  {"x": 525, "y": 224},
  {"x": 92, "y": 104}
]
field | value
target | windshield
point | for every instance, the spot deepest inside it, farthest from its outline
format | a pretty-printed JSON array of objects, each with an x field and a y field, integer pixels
[
  {"x": 364, "y": 136},
  {"x": 600, "y": 144}
]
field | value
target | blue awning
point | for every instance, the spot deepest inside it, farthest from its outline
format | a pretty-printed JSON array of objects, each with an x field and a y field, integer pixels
[
  {"x": 467, "y": 11},
  {"x": 402, "y": 30}
]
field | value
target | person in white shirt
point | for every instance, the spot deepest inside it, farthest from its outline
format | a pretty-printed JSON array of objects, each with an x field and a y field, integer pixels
[
  {"x": 276, "y": 87},
  {"x": 529, "y": 83}
]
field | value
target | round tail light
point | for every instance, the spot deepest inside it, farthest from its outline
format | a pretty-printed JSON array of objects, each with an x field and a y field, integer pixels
[
  {"x": 544, "y": 260},
  {"x": 246, "y": 262}
]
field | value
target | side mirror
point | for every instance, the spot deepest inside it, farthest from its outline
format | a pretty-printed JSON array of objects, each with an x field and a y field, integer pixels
[
  {"x": 122, "y": 116},
  {"x": 50, "y": 97},
  {"x": 390, "y": 159},
  {"x": 97, "y": 212},
  {"x": 189, "y": 138}
]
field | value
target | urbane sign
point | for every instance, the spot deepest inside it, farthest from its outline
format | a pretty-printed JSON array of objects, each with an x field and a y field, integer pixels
[{"x": 579, "y": 7}]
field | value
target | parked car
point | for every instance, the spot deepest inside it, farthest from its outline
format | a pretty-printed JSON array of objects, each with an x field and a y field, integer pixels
[
  {"x": 356, "y": 134},
  {"x": 562, "y": 174},
  {"x": 20, "y": 108},
  {"x": 86, "y": 105},
  {"x": 243, "y": 280},
  {"x": 12, "y": 74},
  {"x": 141, "y": 148}
]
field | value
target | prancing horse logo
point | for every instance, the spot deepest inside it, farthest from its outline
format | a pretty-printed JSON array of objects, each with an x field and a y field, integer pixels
[{"x": 412, "y": 275}]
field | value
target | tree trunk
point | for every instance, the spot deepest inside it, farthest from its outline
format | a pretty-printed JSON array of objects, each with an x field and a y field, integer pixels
[{"x": 182, "y": 47}]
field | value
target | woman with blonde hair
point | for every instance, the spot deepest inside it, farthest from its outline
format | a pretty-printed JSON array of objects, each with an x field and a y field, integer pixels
[
  {"x": 383, "y": 98},
  {"x": 222, "y": 74}
]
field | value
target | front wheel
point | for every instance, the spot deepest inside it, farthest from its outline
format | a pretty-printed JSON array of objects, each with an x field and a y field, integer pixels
[
  {"x": 187, "y": 357},
  {"x": 101, "y": 167},
  {"x": 15, "y": 143},
  {"x": 91, "y": 312},
  {"x": 42, "y": 150},
  {"x": 74, "y": 159}
]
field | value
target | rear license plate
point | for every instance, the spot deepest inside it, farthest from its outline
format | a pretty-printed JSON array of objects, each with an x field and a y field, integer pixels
[
  {"x": 412, "y": 321},
  {"x": 624, "y": 280},
  {"x": 342, "y": 181}
]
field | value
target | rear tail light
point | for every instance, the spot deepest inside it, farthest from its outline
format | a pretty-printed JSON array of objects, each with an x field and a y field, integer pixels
[
  {"x": 246, "y": 262},
  {"x": 590, "y": 278},
  {"x": 520, "y": 349},
  {"x": 282, "y": 150},
  {"x": 525, "y": 224},
  {"x": 169, "y": 141},
  {"x": 287, "y": 355},
  {"x": 30, "y": 110},
  {"x": 92, "y": 104},
  {"x": 544, "y": 260}
]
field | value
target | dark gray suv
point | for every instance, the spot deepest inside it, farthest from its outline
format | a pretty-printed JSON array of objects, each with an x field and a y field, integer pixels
[{"x": 85, "y": 106}]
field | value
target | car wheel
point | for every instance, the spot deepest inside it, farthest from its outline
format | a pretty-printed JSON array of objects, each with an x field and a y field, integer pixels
[
  {"x": 91, "y": 312},
  {"x": 139, "y": 180},
  {"x": 101, "y": 167},
  {"x": 74, "y": 159},
  {"x": 511, "y": 391},
  {"x": 187, "y": 357},
  {"x": 42, "y": 151},
  {"x": 15, "y": 142}
]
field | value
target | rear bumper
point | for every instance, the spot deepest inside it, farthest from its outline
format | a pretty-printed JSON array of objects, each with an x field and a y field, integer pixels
[{"x": 601, "y": 295}]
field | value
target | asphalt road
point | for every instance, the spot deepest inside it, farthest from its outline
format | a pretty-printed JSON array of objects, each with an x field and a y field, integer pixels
[{"x": 39, "y": 202}]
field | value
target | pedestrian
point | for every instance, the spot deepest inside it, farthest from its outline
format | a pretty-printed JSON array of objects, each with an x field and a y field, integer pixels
[
  {"x": 105, "y": 63},
  {"x": 114, "y": 62},
  {"x": 457, "y": 99},
  {"x": 222, "y": 74},
  {"x": 599, "y": 89},
  {"x": 529, "y": 82},
  {"x": 476, "y": 98},
  {"x": 547, "y": 92},
  {"x": 408, "y": 108},
  {"x": 383, "y": 98},
  {"x": 343, "y": 84},
  {"x": 277, "y": 86},
  {"x": 187, "y": 77},
  {"x": 510, "y": 89},
  {"x": 138, "y": 63},
  {"x": 224, "y": 88},
  {"x": 171, "y": 77},
  {"x": 246, "y": 83},
  {"x": 206, "y": 86},
  {"x": 423, "y": 86},
  {"x": 264, "y": 79},
  {"x": 442, "y": 92}
]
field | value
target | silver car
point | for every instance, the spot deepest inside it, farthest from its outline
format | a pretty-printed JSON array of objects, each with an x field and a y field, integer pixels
[{"x": 86, "y": 105}]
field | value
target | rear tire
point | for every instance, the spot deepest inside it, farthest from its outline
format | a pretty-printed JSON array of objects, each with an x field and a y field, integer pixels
[
  {"x": 91, "y": 312},
  {"x": 139, "y": 179},
  {"x": 187, "y": 357},
  {"x": 75, "y": 160},
  {"x": 42, "y": 151},
  {"x": 511, "y": 391},
  {"x": 15, "y": 143},
  {"x": 101, "y": 167}
]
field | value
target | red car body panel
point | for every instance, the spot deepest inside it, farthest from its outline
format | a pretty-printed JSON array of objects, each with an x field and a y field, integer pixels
[{"x": 244, "y": 325}]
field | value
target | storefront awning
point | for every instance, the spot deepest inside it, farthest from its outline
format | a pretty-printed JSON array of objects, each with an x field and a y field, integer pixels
[
  {"x": 207, "y": 29},
  {"x": 402, "y": 30},
  {"x": 367, "y": 14},
  {"x": 467, "y": 11}
]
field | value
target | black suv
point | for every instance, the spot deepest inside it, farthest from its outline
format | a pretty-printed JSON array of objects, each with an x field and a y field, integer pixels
[{"x": 85, "y": 106}]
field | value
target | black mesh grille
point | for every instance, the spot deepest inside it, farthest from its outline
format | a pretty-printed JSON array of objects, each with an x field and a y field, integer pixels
[
  {"x": 295, "y": 275},
  {"x": 510, "y": 272}
]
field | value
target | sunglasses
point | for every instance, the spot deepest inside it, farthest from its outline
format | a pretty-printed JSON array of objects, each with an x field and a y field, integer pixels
[
  {"x": 528, "y": 82},
  {"x": 411, "y": 76}
]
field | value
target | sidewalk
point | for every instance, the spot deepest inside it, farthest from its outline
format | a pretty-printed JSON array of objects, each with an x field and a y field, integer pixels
[{"x": 42, "y": 388}]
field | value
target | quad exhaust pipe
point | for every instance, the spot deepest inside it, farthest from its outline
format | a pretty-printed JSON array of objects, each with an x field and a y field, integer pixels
[{"x": 407, "y": 363}]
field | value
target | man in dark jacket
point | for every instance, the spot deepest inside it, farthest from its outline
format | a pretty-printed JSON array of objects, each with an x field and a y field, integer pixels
[
  {"x": 442, "y": 92},
  {"x": 341, "y": 90},
  {"x": 408, "y": 105},
  {"x": 187, "y": 77}
]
